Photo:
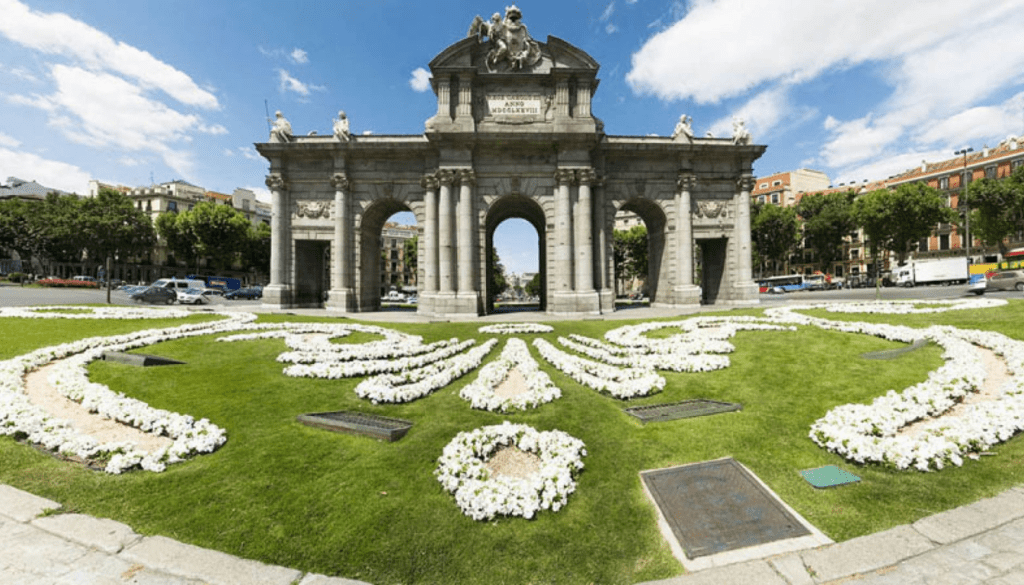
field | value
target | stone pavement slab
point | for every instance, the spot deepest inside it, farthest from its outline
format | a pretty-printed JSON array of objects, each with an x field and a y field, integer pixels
[
  {"x": 958, "y": 523},
  {"x": 23, "y": 506},
  {"x": 749, "y": 573},
  {"x": 865, "y": 554},
  {"x": 214, "y": 567},
  {"x": 99, "y": 533}
]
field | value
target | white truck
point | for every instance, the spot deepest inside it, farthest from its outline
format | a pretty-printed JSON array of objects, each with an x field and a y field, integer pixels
[{"x": 932, "y": 271}]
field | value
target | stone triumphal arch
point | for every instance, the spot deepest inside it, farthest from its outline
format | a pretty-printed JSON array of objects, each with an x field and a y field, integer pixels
[{"x": 514, "y": 136}]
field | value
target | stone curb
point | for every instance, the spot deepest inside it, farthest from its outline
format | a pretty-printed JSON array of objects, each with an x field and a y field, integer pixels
[
  {"x": 23, "y": 506},
  {"x": 99, "y": 533},
  {"x": 177, "y": 558}
]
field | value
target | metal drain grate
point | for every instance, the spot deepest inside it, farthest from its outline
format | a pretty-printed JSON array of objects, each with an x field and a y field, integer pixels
[
  {"x": 138, "y": 359},
  {"x": 684, "y": 409},
  {"x": 718, "y": 506},
  {"x": 358, "y": 423}
]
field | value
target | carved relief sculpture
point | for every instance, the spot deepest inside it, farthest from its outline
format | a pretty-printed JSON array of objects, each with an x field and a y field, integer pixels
[
  {"x": 684, "y": 129},
  {"x": 712, "y": 209},
  {"x": 314, "y": 209},
  {"x": 510, "y": 42}
]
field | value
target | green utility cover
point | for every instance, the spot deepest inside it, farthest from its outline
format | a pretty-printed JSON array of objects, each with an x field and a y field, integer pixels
[{"x": 828, "y": 476}]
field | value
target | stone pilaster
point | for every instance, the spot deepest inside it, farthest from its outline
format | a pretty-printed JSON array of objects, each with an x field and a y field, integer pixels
[
  {"x": 583, "y": 226},
  {"x": 277, "y": 292},
  {"x": 685, "y": 292},
  {"x": 582, "y": 109},
  {"x": 340, "y": 297},
  {"x": 430, "y": 185}
]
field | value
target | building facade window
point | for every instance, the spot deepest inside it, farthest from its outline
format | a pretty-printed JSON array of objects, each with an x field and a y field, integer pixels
[
  {"x": 990, "y": 172},
  {"x": 943, "y": 183}
]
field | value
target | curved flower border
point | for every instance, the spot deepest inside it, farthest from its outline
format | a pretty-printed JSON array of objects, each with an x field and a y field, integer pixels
[
  {"x": 462, "y": 471},
  {"x": 78, "y": 312},
  {"x": 540, "y": 389},
  {"x": 515, "y": 328}
]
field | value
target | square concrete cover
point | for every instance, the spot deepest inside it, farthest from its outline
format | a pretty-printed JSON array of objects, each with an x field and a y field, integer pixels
[{"x": 718, "y": 506}]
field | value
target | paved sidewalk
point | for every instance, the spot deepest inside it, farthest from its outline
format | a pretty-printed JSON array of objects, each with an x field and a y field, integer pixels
[
  {"x": 980, "y": 543},
  {"x": 74, "y": 549}
]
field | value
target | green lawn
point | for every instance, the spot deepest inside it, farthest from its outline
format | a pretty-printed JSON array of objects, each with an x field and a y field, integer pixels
[{"x": 287, "y": 494}]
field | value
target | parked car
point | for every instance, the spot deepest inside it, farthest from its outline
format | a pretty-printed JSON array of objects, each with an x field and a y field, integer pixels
[
  {"x": 244, "y": 293},
  {"x": 1006, "y": 280},
  {"x": 155, "y": 294},
  {"x": 192, "y": 296}
]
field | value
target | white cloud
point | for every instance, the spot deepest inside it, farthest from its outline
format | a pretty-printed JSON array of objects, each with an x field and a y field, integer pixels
[
  {"x": 249, "y": 153},
  {"x": 299, "y": 56},
  {"x": 59, "y": 34},
  {"x": 288, "y": 83},
  {"x": 420, "y": 80},
  {"x": 10, "y": 141},
  {"x": 761, "y": 114},
  {"x": 49, "y": 173},
  {"x": 610, "y": 28},
  {"x": 608, "y": 11},
  {"x": 262, "y": 193}
]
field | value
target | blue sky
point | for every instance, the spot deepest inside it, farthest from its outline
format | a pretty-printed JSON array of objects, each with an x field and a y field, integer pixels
[{"x": 125, "y": 91}]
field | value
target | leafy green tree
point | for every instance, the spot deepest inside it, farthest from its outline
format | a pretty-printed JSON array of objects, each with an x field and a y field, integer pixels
[
  {"x": 775, "y": 231},
  {"x": 114, "y": 228},
  {"x": 20, "y": 230},
  {"x": 897, "y": 219},
  {"x": 533, "y": 287},
  {"x": 63, "y": 236},
  {"x": 630, "y": 249},
  {"x": 997, "y": 208},
  {"x": 499, "y": 283},
  {"x": 179, "y": 241},
  {"x": 411, "y": 253},
  {"x": 215, "y": 232},
  {"x": 256, "y": 253},
  {"x": 827, "y": 220}
]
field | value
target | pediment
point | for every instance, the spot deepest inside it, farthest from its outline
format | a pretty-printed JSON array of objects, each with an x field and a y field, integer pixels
[{"x": 472, "y": 54}]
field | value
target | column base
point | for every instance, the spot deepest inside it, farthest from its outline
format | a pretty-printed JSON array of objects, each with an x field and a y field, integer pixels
[
  {"x": 686, "y": 295},
  {"x": 277, "y": 296},
  {"x": 606, "y": 298},
  {"x": 341, "y": 299},
  {"x": 449, "y": 304},
  {"x": 743, "y": 294},
  {"x": 575, "y": 303}
]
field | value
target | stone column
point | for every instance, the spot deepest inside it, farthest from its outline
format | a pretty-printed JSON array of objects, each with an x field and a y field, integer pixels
[
  {"x": 562, "y": 268},
  {"x": 605, "y": 271},
  {"x": 562, "y": 98},
  {"x": 686, "y": 293},
  {"x": 582, "y": 100},
  {"x": 744, "y": 287},
  {"x": 341, "y": 256},
  {"x": 467, "y": 246},
  {"x": 464, "y": 107},
  {"x": 584, "y": 228},
  {"x": 276, "y": 292},
  {"x": 430, "y": 184},
  {"x": 445, "y": 234}
]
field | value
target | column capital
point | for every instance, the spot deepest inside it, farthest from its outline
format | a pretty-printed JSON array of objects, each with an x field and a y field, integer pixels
[
  {"x": 746, "y": 183},
  {"x": 686, "y": 181},
  {"x": 587, "y": 176},
  {"x": 565, "y": 176},
  {"x": 446, "y": 177},
  {"x": 340, "y": 182},
  {"x": 467, "y": 176},
  {"x": 276, "y": 182},
  {"x": 429, "y": 182}
]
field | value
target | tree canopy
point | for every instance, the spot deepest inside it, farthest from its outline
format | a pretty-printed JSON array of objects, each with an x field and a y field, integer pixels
[
  {"x": 216, "y": 232},
  {"x": 827, "y": 221},
  {"x": 897, "y": 219},
  {"x": 775, "y": 231},
  {"x": 997, "y": 208},
  {"x": 630, "y": 252}
]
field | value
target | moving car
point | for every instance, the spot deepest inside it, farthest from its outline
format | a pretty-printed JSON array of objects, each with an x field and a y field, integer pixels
[
  {"x": 1006, "y": 280},
  {"x": 978, "y": 284},
  {"x": 244, "y": 293},
  {"x": 155, "y": 294},
  {"x": 192, "y": 296}
]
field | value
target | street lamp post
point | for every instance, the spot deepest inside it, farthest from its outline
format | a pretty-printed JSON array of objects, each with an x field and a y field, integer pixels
[{"x": 967, "y": 210}]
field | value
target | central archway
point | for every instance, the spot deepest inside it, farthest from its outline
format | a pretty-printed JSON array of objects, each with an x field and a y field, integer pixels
[
  {"x": 654, "y": 220},
  {"x": 509, "y": 207}
]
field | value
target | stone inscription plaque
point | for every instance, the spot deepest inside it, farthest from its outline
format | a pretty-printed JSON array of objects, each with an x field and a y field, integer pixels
[{"x": 516, "y": 108}]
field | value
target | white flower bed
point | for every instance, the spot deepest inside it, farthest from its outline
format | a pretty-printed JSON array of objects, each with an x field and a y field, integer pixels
[
  {"x": 908, "y": 307},
  {"x": 461, "y": 470},
  {"x": 77, "y": 312},
  {"x": 515, "y": 328},
  {"x": 19, "y": 417},
  {"x": 419, "y": 382},
  {"x": 621, "y": 383},
  {"x": 540, "y": 390}
]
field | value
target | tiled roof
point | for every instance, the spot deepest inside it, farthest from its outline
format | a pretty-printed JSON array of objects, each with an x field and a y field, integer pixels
[{"x": 20, "y": 188}]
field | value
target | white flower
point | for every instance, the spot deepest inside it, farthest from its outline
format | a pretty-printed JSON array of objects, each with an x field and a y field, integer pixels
[
  {"x": 462, "y": 471},
  {"x": 516, "y": 355}
]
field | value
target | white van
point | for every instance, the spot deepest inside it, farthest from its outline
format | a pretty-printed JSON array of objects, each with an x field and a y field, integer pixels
[{"x": 179, "y": 284}]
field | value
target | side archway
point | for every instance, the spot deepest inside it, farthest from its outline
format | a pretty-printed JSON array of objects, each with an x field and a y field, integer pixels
[
  {"x": 369, "y": 267},
  {"x": 655, "y": 221},
  {"x": 509, "y": 207}
]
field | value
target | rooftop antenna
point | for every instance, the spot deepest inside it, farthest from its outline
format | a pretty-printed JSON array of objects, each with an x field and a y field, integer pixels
[
  {"x": 266, "y": 107},
  {"x": 151, "y": 181}
]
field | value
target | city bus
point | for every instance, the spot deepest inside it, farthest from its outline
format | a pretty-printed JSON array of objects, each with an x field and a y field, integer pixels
[{"x": 779, "y": 284}]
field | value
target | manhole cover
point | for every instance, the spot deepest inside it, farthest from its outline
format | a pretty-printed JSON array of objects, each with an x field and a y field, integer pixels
[
  {"x": 358, "y": 423},
  {"x": 138, "y": 359},
  {"x": 828, "y": 476},
  {"x": 677, "y": 410},
  {"x": 719, "y": 506}
]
